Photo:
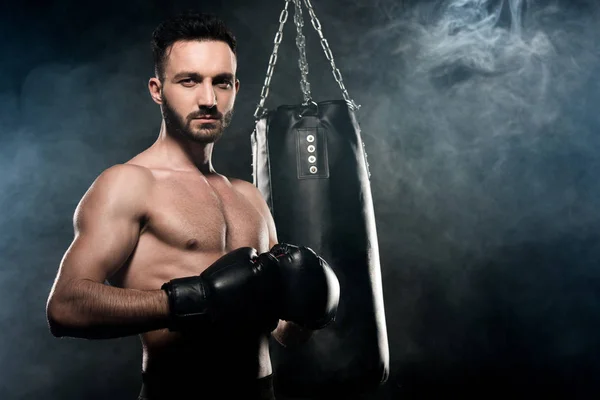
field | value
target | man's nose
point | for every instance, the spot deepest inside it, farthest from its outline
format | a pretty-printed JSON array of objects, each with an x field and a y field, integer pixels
[{"x": 206, "y": 95}]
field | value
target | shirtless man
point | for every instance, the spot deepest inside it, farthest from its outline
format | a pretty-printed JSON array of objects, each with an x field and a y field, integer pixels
[{"x": 191, "y": 256}]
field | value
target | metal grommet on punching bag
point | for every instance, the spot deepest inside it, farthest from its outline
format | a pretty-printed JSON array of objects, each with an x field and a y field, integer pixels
[{"x": 310, "y": 166}]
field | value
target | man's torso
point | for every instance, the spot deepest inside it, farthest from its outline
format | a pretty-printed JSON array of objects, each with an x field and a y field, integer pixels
[{"x": 191, "y": 220}]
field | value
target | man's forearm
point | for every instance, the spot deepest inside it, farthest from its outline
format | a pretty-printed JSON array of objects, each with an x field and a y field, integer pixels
[{"x": 94, "y": 310}]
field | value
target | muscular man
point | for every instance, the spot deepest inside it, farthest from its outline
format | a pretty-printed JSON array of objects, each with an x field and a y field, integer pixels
[{"x": 191, "y": 256}]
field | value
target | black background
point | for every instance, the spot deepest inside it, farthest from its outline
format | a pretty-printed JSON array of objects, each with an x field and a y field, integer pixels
[{"x": 482, "y": 136}]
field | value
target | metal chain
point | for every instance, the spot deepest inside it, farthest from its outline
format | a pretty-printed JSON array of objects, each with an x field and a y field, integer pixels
[
  {"x": 301, "y": 44},
  {"x": 303, "y": 64},
  {"x": 260, "y": 109},
  {"x": 336, "y": 72},
  {"x": 325, "y": 45}
]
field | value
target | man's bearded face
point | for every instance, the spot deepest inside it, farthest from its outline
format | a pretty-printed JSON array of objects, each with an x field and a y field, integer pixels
[
  {"x": 191, "y": 127},
  {"x": 199, "y": 89}
]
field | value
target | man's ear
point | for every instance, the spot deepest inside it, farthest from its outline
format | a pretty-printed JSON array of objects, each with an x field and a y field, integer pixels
[
  {"x": 155, "y": 88},
  {"x": 237, "y": 86}
]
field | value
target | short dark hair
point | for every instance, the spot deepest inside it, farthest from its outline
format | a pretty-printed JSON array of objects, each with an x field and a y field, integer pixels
[{"x": 187, "y": 26}]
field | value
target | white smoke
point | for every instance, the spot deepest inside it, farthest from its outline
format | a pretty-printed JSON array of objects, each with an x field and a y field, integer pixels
[{"x": 465, "y": 109}]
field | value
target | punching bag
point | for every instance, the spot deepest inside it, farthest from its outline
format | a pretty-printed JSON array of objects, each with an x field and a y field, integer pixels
[
  {"x": 310, "y": 165},
  {"x": 311, "y": 170}
]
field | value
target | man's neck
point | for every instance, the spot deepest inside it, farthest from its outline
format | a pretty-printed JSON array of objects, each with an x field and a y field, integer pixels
[{"x": 182, "y": 154}]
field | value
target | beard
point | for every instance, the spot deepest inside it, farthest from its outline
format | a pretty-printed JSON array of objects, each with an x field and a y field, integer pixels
[{"x": 200, "y": 133}]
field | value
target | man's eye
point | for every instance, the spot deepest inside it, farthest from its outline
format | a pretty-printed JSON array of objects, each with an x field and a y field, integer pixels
[
  {"x": 187, "y": 81},
  {"x": 225, "y": 85}
]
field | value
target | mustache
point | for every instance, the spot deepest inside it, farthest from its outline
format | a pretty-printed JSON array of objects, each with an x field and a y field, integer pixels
[{"x": 207, "y": 113}]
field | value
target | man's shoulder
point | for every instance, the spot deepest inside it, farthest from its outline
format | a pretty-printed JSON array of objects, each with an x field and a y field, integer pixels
[
  {"x": 121, "y": 181},
  {"x": 246, "y": 188},
  {"x": 241, "y": 184},
  {"x": 121, "y": 189},
  {"x": 129, "y": 175},
  {"x": 250, "y": 192}
]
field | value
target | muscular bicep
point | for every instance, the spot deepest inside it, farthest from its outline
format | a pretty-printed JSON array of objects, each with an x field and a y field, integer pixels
[{"x": 107, "y": 224}]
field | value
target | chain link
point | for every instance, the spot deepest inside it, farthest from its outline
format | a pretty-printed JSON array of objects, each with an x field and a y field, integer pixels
[
  {"x": 302, "y": 62},
  {"x": 329, "y": 55},
  {"x": 301, "y": 44},
  {"x": 260, "y": 109}
]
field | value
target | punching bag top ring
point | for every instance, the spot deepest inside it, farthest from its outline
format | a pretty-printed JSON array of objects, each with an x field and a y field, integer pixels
[{"x": 310, "y": 108}]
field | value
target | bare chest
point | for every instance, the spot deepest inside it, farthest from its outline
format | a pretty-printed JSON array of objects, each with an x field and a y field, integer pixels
[{"x": 204, "y": 216}]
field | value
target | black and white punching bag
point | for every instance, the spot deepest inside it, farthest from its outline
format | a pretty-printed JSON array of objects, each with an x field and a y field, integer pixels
[
  {"x": 311, "y": 170},
  {"x": 310, "y": 166}
]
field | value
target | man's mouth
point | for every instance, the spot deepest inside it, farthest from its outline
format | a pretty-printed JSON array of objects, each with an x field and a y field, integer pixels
[{"x": 216, "y": 115}]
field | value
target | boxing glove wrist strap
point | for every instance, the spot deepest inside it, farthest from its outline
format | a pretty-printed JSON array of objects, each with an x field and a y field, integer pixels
[{"x": 188, "y": 303}]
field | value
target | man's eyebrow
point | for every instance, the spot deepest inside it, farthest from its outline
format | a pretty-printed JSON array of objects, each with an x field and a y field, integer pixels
[
  {"x": 198, "y": 77},
  {"x": 224, "y": 76},
  {"x": 187, "y": 74}
]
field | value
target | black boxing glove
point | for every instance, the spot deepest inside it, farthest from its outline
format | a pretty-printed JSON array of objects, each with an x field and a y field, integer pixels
[
  {"x": 238, "y": 288},
  {"x": 310, "y": 290}
]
